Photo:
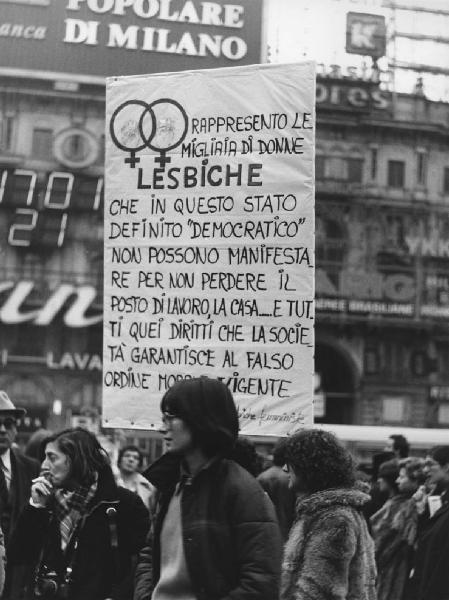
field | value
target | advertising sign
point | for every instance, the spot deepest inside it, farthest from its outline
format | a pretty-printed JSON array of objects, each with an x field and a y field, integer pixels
[
  {"x": 209, "y": 242},
  {"x": 366, "y": 34},
  {"x": 119, "y": 37}
]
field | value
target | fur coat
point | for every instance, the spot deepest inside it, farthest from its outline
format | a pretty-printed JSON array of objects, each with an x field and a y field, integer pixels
[{"x": 329, "y": 554}]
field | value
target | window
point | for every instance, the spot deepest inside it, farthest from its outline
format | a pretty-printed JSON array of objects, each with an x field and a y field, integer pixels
[
  {"x": 7, "y": 133},
  {"x": 42, "y": 147},
  {"x": 443, "y": 414},
  {"x": 421, "y": 168},
  {"x": 336, "y": 168},
  {"x": 320, "y": 163},
  {"x": 101, "y": 149},
  {"x": 355, "y": 170},
  {"x": 393, "y": 409},
  {"x": 446, "y": 180},
  {"x": 373, "y": 163},
  {"x": 396, "y": 173}
]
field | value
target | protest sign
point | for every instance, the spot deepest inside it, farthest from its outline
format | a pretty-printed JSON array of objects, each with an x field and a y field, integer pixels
[{"x": 209, "y": 242}]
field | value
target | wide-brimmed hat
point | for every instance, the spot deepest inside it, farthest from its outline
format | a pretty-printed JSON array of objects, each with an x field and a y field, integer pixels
[{"x": 7, "y": 408}]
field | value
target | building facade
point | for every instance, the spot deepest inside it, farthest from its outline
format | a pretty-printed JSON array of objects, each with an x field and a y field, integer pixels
[
  {"x": 382, "y": 280},
  {"x": 382, "y": 252}
]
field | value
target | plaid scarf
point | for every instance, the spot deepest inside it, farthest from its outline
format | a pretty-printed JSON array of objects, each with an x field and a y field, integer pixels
[{"x": 70, "y": 506}]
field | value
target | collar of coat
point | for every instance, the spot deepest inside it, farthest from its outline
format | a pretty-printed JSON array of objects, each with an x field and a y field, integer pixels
[
  {"x": 334, "y": 497},
  {"x": 166, "y": 471}
]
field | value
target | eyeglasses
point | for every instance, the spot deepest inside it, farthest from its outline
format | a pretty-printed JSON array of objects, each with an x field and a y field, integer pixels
[
  {"x": 168, "y": 418},
  {"x": 8, "y": 422}
]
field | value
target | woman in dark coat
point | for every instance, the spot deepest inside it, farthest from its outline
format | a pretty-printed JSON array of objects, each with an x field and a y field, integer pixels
[
  {"x": 80, "y": 531},
  {"x": 215, "y": 534},
  {"x": 395, "y": 527}
]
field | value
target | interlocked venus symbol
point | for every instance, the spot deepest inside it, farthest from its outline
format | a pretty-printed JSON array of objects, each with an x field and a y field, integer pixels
[{"x": 165, "y": 118}]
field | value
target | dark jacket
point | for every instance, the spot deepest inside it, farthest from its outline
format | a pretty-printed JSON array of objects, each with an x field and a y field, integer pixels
[
  {"x": 23, "y": 470},
  {"x": 276, "y": 483},
  {"x": 95, "y": 574},
  {"x": 231, "y": 537},
  {"x": 431, "y": 576}
]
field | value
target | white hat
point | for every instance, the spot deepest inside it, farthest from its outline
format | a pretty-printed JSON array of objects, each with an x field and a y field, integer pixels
[{"x": 8, "y": 408}]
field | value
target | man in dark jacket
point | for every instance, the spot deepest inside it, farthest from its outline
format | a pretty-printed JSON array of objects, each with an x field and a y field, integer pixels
[
  {"x": 79, "y": 529},
  {"x": 275, "y": 482},
  {"x": 431, "y": 574},
  {"x": 215, "y": 534},
  {"x": 16, "y": 474}
]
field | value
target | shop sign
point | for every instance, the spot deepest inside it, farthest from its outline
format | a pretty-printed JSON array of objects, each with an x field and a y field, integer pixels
[
  {"x": 122, "y": 37},
  {"x": 366, "y": 292},
  {"x": 351, "y": 95},
  {"x": 75, "y": 301},
  {"x": 75, "y": 361}
]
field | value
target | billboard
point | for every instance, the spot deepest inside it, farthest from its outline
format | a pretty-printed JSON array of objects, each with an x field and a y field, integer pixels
[
  {"x": 209, "y": 242},
  {"x": 119, "y": 37}
]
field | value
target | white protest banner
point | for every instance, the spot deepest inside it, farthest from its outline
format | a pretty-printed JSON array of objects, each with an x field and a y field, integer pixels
[{"x": 209, "y": 242}]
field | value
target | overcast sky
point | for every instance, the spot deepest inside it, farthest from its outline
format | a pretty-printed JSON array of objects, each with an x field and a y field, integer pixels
[{"x": 315, "y": 29}]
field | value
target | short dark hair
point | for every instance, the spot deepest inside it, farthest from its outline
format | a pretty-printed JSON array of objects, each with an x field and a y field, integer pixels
[
  {"x": 129, "y": 448},
  {"x": 86, "y": 455},
  {"x": 320, "y": 459},
  {"x": 279, "y": 452},
  {"x": 440, "y": 454},
  {"x": 400, "y": 444},
  {"x": 206, "y": 405}
]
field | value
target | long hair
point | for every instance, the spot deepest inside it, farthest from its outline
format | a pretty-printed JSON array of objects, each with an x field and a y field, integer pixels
[
  {"x": 87, "y": 457},
  {"x": 207, "y": 407}
]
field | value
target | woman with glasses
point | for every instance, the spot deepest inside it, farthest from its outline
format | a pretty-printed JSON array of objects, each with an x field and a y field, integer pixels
[{"x": 215, "y": 534}]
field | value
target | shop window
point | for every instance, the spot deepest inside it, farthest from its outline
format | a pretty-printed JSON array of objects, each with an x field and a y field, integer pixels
[
  {"x": 393, "y": 410},
  {"x": 42, "y": 146},
  {"x": 396, "y": 173},
  {"x": 446, "y": 180}
]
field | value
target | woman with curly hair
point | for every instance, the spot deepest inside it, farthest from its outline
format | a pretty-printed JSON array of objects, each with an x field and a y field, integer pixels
[
  {"x": 329, "y": 552},
  {"x": 395, "y": 526}
]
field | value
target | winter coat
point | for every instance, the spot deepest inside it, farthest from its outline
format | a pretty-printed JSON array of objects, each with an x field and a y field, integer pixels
[
  {"x": 231, "y": 538},
  {"x": 329, "y": 554},
  {"x": 431, "y": 574},
  {"x": 97, "y": 573},
  {"x": 23, "y": 470},
  {"x": 394, "y": 529}
]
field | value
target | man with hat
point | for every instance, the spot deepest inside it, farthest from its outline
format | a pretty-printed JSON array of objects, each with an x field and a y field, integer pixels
[{"x": 16, "y": 473}]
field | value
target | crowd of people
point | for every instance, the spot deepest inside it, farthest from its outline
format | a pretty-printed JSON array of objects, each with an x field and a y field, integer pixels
[{"x": 209, "y": 520}]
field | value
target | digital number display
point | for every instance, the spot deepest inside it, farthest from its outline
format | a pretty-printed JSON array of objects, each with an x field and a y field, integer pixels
[{"x": 42, "y": 204}]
